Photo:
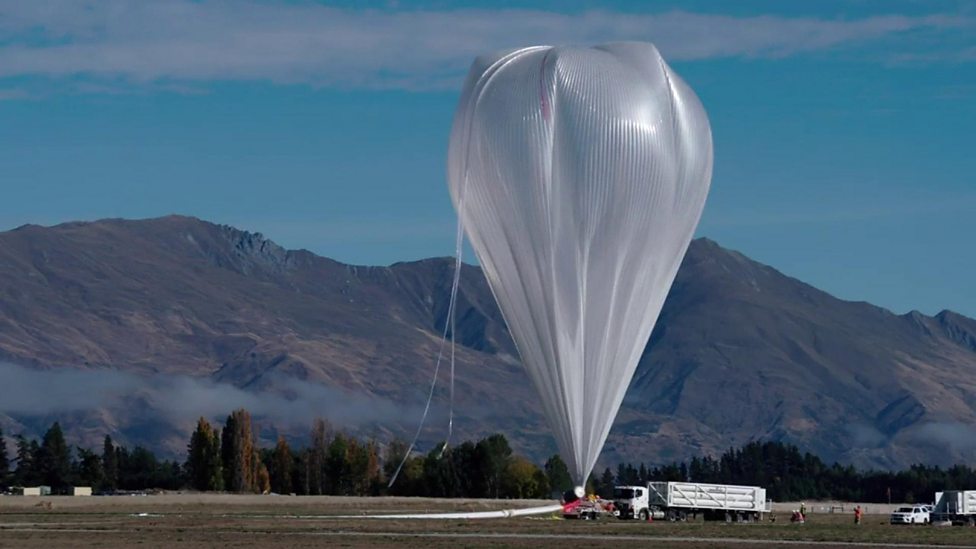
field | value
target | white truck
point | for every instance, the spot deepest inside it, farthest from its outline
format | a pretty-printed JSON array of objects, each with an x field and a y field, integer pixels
[
  {"x": 677, "y": 500},
  {"x": 956, "y": 506},
  {"x": 916, "y": 514}
]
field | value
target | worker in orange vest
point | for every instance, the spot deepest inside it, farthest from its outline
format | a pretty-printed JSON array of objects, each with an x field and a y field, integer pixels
[{"x": 857, "y": 514}]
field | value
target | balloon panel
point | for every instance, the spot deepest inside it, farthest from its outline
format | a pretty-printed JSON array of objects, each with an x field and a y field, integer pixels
[{"x": 579, "y": 175}]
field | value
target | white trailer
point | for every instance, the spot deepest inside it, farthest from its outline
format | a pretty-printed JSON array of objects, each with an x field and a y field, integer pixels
[
  {"x": 956, "y": 506},
  {"x": 677, "y": 500}
]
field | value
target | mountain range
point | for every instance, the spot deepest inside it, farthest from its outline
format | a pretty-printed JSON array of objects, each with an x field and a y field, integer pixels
[{"x": 135, "y": 328}]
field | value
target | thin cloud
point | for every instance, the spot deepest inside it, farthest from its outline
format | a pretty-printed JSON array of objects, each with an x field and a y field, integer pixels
[
  {"x": 30, "y": 392},
  {"x": 832, "y": 213},
  {"x": 183, "y": 41},
  {"x": 11, "y": 94}
]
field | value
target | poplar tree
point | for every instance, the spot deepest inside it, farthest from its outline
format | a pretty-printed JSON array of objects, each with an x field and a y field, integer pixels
[
  {"x": 203, "y": 462},
  {"x": 238, "y": 453},
  {"x": 317, "y": 465},
  {"x": 282, "y": 464}
]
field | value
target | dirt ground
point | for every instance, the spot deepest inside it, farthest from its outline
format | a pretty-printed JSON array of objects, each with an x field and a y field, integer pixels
[{"x": 209, "y": 520}]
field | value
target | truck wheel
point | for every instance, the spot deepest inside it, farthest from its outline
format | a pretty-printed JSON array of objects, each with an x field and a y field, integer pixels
[
  {"x": 728, "y": 516},
  {"x": 643, "y": 515}
]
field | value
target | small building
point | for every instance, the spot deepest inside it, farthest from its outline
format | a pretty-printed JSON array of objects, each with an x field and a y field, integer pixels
[
  {"x": 33, "y": 490},
  {"x": 80, "y": 491}
]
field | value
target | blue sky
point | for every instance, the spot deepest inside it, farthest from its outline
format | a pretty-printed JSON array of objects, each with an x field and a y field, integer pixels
[{"x": 844, "y": 148}]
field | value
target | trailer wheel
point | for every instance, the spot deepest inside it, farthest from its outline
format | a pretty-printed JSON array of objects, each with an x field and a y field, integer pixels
[
  {"x": 643, "y": 515},
  {"x": 728, "y": 516}
]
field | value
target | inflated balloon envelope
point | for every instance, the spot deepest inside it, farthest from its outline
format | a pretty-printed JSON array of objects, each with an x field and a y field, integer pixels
[{"x": 579, "y": 175}]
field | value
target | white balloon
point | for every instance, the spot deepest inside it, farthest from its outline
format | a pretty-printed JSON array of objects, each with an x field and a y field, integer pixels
[{"x": 579, "y": 175}]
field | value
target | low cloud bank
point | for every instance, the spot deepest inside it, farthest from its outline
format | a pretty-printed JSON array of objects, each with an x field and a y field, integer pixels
[
  {"x": 32, "y": 392},
  {"x": 956, "y": 436}
]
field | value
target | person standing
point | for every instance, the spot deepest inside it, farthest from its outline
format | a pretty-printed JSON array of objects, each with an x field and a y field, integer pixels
[{"x": 857, "y": 514}]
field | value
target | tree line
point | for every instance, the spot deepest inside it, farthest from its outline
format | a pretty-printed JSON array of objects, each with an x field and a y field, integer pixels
[
  {"x": 228, "y": 458},
  {"x": 51, "y": 462},
  {"x": 788, "y": 474}
]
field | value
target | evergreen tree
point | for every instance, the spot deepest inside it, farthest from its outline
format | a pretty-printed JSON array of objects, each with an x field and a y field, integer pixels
[
  {"x": 110, "y": 465},
  {"x": 26, "y": 472},
  {"x": 203, "y": 460},
  {"x": 88, "y": 469},
  {"x": 336, "y": 465},
  {"x": 495, "y": 454},
  {"x": 558, "y": 474},
  {"x": 4, "y": 463},
  {"x": 55, "y": 459},
  {"x": 227, "y": 452},
  {"x": 606, "y": 483},
  {"x": 302, "y": 472},
  {"x": 439, "y": 478},
  {"x": 465, "y": 464}
]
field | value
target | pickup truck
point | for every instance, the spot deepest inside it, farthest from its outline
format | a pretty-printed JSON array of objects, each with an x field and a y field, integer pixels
[{"x": 918, "y": 514}]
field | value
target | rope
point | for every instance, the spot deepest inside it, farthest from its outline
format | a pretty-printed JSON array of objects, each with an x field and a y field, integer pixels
[{"x": 449, "y": 325}]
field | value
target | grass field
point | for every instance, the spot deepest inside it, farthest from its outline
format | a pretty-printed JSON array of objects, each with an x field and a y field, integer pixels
[{"x": 208, "y": 520}]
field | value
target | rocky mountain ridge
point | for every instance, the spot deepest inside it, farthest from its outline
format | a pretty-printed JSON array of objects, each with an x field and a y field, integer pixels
[{"x": 741, "y": 351}]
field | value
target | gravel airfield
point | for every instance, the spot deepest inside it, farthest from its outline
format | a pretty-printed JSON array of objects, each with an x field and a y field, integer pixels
[{"x": 210, "y": 520}]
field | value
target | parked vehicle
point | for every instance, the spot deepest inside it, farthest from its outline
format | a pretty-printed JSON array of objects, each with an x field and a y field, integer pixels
[
  {"x": 956, "y": 506},
  {"x": 677, "y": 500},
  {"x": 588, "y": 509},
  {"x": 917, "y": 514}
]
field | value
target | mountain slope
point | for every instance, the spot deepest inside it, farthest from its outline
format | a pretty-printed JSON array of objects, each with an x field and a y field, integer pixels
[{"x": 740, "y": 352}]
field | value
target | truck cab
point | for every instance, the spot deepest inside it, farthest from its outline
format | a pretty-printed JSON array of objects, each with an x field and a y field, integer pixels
[{"x": 631, "y": 502}]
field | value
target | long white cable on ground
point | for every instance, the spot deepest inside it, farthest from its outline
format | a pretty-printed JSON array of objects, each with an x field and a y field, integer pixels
[{"x": 504, "y": 513}]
